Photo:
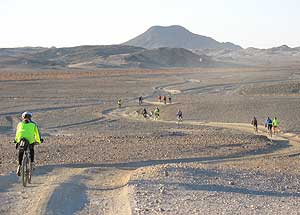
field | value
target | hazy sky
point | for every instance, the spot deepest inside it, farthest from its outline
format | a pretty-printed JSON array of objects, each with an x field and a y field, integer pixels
[{"x": 256, "y": 23}]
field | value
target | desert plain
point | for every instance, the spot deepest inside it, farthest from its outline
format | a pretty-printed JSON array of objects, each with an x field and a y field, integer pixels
[{"x": 101, "y": 159}]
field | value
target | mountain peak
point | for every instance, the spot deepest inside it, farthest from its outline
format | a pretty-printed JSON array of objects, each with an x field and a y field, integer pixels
[
  {"x": 176, "y": 36},
  {"x": 171, "y": 27}
]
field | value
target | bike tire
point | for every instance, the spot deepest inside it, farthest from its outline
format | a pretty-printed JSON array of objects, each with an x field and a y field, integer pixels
[
  {"x": 29, "y": 175},
  {"x": 24, "y": 171}
]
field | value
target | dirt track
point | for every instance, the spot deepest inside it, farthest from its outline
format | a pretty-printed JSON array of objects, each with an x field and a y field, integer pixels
[
  {"x": 107, "y": 184},
  {"x": 89, "y": 190}
]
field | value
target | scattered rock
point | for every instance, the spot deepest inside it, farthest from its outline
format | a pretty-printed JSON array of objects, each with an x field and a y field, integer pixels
[
  {"x": 161, "y": 210},
  {"x": 162, "y": 190}
]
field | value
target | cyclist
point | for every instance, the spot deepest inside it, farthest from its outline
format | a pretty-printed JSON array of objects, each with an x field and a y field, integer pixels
[
  {"x": 179, "y": 115},
  {"x": 165, "y": 99},
  {"x": 145, "y": 114},
  {"x": 141, "y": 100},
  {"x": 156, "y": 113},
  {"x": 159, "y": 98},
  {"x": 275, "y": 124},
  {"x": 120, "y": 103},
  {"x": 268, "y": 125},
  {"x": 254, "y": 123},
  {"x": 28, "y": 131},
  {"x": 170, "y": 100}
]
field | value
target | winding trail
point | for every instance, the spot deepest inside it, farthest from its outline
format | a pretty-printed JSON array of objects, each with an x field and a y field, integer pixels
[
  {"x": 99, "y": 189},
  {"x": 103, "y": 189},
  {"x": 292, "y": 139}
]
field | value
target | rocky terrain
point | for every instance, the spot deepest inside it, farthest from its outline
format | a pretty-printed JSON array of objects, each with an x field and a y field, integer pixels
[
  {"x": 276, "y": 56},
  {"x": 101, "y": 159},
  {"x": 91, "y": 57}
]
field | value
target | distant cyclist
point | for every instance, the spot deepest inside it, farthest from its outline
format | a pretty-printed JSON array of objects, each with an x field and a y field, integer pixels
[
  {"x": 29, "y": 132},
  {"x": 165, "y": 99},
  {"x": 156, "y": 113},
  {"x": 141, "y": 100},
  {"x": 159, "y": 98},
  {"x": 145, "y": 114},
  {"x": 269, "y": 125},
  {"x": 179, "y": 116},
  {"x": 120, "y": 103},
  {"x": 254, "y": 123},
  {"x": 170, "y": 99},
  {"x": 275, "y": 124}
]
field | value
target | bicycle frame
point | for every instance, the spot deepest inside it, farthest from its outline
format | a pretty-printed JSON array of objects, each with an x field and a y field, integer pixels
[{"x": 26, "y": 170}]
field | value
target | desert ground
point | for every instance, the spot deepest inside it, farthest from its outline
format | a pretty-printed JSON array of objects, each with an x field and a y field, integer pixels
[{"x": 101, "y": 159}]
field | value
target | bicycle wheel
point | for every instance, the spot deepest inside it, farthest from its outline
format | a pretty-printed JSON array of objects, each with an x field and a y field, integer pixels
[
  {"x": 29, "y": 175},
  {"x": 24, "y": 170}
]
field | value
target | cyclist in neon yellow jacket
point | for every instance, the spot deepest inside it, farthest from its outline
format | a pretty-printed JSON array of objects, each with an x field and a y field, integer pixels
[
  {"x": 29, "y": 131},
  {"x": 275, "y": 124},
  {"x": 156, "y": 113}
]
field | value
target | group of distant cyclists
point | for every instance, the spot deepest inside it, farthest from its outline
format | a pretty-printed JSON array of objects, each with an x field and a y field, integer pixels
[
  {"x": 272, "y": 126},
  {"x": 164, "y": 99},
  {"x": 156, "y": 112}
]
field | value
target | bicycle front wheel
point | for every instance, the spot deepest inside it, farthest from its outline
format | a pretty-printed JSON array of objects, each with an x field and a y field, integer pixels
[{"x": 24, "y": 171}]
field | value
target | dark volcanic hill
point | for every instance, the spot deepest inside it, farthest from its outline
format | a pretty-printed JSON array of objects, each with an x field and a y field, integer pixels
[
  {"x": 111, "y": 56},
  {"x": 168, "y": 57},
  {"x": 177, "y": 37}
]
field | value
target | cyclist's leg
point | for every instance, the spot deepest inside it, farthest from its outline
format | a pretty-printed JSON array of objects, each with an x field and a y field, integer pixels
[
  {"x": 20, "y": 155},
  {"x": 31, "y": 149}
]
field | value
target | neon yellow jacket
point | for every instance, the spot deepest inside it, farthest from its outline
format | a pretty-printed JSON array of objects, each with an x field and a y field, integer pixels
[
  {"x": 275, "y": 122},
  {"x": 28, "y": 131}
]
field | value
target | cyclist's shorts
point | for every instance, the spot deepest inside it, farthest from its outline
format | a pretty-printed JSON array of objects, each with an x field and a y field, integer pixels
[{"x": 269, "y": 126}]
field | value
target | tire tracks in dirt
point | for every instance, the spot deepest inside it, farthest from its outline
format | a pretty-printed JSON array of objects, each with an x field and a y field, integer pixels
[{"x": 104, "y": 190}]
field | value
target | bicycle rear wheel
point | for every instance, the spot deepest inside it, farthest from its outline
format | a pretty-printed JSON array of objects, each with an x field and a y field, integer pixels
[
  {"x": 29, "y": 169},
  {"x": 24, "y": 170}
]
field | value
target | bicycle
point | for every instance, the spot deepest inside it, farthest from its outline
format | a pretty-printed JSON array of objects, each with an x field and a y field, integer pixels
[
  {"x": 26, "y": 167},
  {"x": 156, "y": 115},
  {"x": 269, "y": 128},
  {"x": 179, "y": 120},
  {"x": 255, "y": 128}
]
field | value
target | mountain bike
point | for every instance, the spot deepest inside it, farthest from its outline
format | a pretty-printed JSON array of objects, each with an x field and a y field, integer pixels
[
  {"x": 179, "y": 120},
  {"x": 156, "y": 115},
  {"x": 269, "y": 127},
  {"x": 26, "y": 168}
]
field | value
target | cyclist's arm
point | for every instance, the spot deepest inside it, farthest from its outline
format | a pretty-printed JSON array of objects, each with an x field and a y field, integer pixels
[
  {"x": 37, "y": 135},
  {"x": 18, "y": 134}
]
